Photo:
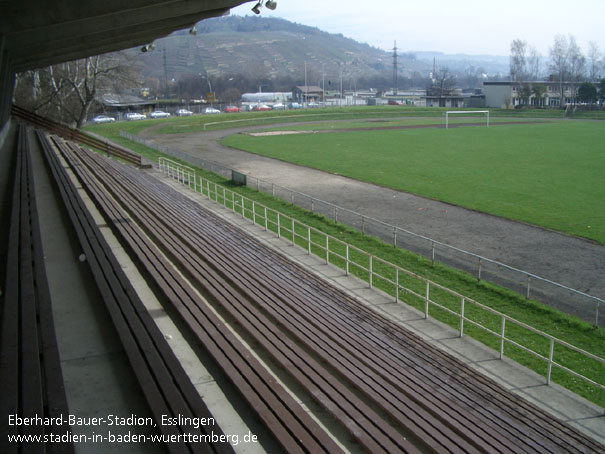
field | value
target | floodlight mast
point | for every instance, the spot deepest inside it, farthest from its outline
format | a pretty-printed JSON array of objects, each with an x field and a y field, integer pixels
[{"x": 464, "y": 112}]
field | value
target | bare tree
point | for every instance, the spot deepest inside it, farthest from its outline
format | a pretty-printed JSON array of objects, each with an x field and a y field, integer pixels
[
  {"x": 67, "y": 91},
  {"x": 594, "y": 63},
  {"x": 518, "y": 61},
  {"x": 559, "y": 61},
  {"x": 577, "y": 65},
  {"x": 518, "y": 67},
  {"x": 533, "y": 63},
  {"x": 442, "y": 83}
]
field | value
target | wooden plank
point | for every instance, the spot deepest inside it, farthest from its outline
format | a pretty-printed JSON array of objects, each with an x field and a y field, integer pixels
[
  {"x": 231, "y": 357},
  {"x": 225, "y": 287}
]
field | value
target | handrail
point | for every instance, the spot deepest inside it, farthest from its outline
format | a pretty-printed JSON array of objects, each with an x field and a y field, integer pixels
[
  {"x": 77, "y": 135},
  {"x": 254, "y": 210},
  {"x": 335, "y": 210}
]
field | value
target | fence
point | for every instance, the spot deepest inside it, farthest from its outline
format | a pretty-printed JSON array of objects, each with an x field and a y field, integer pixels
[
  {"x": 77, "y": 135},
  {"x": 564, "y": 298},
  {"x": 505, "y": 334}
]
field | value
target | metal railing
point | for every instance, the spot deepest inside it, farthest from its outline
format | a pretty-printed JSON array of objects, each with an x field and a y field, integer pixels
[
  {"x": 76, "y": 135},
  {"x": 394, "y": 280},
  {"x": 529, "y": 284}
]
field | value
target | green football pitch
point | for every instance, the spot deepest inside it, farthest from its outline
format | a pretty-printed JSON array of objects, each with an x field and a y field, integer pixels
[{"x": 548, "y": 174}]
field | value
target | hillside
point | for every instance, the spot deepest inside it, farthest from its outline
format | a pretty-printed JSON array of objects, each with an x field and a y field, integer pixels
[{"x": 269, "y": 48}]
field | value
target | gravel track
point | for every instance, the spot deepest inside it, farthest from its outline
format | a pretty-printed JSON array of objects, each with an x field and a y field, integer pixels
[{"x": 571, "y": 261}]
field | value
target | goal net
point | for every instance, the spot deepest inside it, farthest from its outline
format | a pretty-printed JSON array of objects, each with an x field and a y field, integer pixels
[{"x": 481, "y": 113}]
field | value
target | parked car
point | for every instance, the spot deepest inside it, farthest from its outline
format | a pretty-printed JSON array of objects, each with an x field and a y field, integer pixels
[
  {"x": 103, "y": 119},
  {"x": 295, "y": 105},
  {"x": 313, "y": 105},
  {"x": 131, "y": 116},
  {"x": 159, "y": 114},
  {"x": 261, "y": 107},
  {"x": 183, "y": 113},
  {"x": 211, "y": 110},
  {"x": 279, "y": 106},
  {"x": 231, "y": 109}
]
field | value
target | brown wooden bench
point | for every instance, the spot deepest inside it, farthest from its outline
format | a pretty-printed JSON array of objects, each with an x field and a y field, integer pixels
[
  {"x": 163, "y": 381},
  {"x": 391, "y": 391},
  {"x": 31, "y": 381}
]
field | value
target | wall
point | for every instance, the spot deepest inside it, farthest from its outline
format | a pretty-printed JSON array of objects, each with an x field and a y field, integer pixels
[{"x": 497, "y": 96}]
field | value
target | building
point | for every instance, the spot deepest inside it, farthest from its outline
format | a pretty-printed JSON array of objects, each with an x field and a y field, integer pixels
[
  {"x": 543, "y": 93},
  {"x": 310, "y": 93},
  {"x": 265, "y": 97}
]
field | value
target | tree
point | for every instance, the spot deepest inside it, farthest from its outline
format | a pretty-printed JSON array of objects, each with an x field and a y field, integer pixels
[
  {"x": 602, "y": 90},
  {"x": 594, "y": 63},
  {"x": 587, "y": 93},
  {"x": 442, "y": 83},
  {"x": 66, "y": 91},
  {"x": 533, "y": 63},
  {"x": 518, "y": 61},
  {"x": 577, "y": 64},
  {"x": 539, "y": 90},
  {"x": 525, "y": 93},
  {"x": 559, "y": 65}
]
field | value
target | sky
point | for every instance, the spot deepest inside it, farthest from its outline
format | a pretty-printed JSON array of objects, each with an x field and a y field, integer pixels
[{"x": 450, "y": 26}]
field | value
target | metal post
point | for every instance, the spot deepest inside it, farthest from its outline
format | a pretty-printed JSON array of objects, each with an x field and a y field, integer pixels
[
  {"x": 335, "y": 214},
  {"x": 312, "y": 205},
  {"x": 462, "y": 317},
  {"x": 347, "y": 260},
  {"x": 427, "y": 298},
  {"x": 433, "y": 253},
  {"x": 273, "y": 189},
  {"x": 253, "y": 212},
  {"x": 327, "y": 249},
  {"x": 502, "y": 337},
  {"x": 208, "y": 188},
  {"x": 371, "y": 270},
  {"x": 479, "y": 272},
  {"x": 292, "y": 197},
  {"x": 550, "y": 358},
  {"x": 363, "y": 225},
  {"x": 394, "y": 236},
  {"x": 528, "y": 283},
  {"x": 293, "y": 234},
  {"x": 224, "y": 197},
  {"x": 266, "y": 218},
  {"x": 309, "y": 239},
  {"x": 396, "y": 285},
  {"x": 278, "y": 226},
  {"x": 596, "y": 319}
]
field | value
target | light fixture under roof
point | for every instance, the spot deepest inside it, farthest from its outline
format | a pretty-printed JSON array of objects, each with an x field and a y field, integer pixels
[
  {"x": 270, "y": 4},
  {"x": 257, "y": 7}
]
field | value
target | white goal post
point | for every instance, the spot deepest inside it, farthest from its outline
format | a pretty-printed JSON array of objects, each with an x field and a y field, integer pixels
[{"x": 464, "y": 112}]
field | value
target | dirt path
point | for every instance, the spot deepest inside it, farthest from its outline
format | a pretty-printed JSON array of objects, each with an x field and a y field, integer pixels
[{"x": 573, "y": 262}]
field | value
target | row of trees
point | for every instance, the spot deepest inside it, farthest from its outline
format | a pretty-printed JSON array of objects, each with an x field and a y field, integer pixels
[{"x": 567, "y": 65}]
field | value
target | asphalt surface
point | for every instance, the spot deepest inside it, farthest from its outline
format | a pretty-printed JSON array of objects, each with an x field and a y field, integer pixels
[{"x": 570, "y": 261}]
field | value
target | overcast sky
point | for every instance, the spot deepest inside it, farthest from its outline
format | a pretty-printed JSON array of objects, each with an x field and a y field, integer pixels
[{"x": 450, "y": 26}]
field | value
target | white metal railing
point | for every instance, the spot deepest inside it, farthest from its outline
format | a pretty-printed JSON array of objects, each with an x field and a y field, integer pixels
[
  {"x": 333, "y": 250},
  {"x": 428, "y": 247}
]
